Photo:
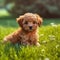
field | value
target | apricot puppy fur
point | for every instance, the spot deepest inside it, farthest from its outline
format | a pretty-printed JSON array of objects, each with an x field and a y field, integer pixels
[{"x": 27, "y": 34}]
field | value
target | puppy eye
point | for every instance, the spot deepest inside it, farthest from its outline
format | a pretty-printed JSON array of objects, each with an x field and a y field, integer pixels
[
  {"x": 34, "y": 22},
  {"x": 26, "y": 22}
]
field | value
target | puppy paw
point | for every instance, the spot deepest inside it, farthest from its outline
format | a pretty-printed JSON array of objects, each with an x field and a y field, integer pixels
[
  {"x": 37, "y": 44},
  {"x": 4, "y": 40}
]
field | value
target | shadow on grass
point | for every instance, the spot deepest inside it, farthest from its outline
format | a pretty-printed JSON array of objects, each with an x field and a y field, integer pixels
[
  {"x": 7, "y": 17},
  {"x": 8, "y": 21},
  {"x": 9, "y": 47}
]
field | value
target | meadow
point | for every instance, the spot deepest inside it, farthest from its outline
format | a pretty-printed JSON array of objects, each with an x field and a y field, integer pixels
[{"x": 49, "y": 39}]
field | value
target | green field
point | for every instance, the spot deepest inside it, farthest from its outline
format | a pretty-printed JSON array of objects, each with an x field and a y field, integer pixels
[
  {"x": 12, "y": 21},
  {"x": 49, "y": 39}
]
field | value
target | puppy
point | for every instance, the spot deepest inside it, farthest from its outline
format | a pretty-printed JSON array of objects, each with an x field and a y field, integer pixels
[{"x": 27, "y": 34}]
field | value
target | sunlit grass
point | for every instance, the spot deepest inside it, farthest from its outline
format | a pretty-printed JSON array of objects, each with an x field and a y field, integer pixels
[{"x": 49, "y": 38}]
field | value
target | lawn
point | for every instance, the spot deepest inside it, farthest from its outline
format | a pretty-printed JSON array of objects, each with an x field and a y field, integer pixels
[
  {"x": 11, "y": 22},
  {"x": 49, "y": 39}
]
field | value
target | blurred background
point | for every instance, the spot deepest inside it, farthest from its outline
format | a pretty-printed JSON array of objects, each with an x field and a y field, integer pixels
[{"x": 49, "y": 10}]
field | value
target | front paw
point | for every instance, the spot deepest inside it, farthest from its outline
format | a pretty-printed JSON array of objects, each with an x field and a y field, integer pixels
[
  {"x": 4, "y": 40},
  {"x": 37, "y": 44}
]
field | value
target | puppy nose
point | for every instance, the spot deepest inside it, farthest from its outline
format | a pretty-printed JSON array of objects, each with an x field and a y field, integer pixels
[{"x": 30, "y": 27}]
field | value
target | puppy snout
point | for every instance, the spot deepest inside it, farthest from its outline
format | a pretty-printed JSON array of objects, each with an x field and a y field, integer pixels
[{"x": 30, "y": 27}]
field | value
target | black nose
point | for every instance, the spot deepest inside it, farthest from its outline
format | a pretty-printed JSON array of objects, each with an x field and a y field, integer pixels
[{"x": 30, "y": 27}]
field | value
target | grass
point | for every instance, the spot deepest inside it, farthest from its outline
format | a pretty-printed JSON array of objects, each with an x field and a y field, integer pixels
[
  {"x": 49, "y": 40},
  {"x": 11, "y": 22},
  {"x": 3, "y": 12}
]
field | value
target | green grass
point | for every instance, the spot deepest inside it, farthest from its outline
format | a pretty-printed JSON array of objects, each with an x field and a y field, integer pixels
[
  {"x": 11, "y": 22},
  {"x": 3, "y": 12},
  {"x": 8, "y": 22},
  {"x": 49, "y": 40}
]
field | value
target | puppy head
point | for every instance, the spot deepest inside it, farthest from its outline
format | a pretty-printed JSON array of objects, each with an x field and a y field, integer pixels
[{"x": 29, "y": 21}]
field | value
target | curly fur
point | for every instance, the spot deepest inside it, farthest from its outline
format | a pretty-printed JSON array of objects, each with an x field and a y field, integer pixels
[{"x": 27, "y": 35}]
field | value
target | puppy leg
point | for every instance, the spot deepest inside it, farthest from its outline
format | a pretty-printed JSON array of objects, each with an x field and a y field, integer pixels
[{"x": 7, "y": 38}]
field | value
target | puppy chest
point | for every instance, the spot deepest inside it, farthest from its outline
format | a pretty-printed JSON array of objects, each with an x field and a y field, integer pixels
[
  {"x": 33, "y": 37},
  {"x": 27, "y": 38},
  {"x": 23, "y": 38}
]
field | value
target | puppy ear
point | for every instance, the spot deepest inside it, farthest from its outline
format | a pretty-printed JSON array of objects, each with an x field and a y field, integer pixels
[
  {"x": 40, "y": 20},
  {"x": 20, "y": 20}
]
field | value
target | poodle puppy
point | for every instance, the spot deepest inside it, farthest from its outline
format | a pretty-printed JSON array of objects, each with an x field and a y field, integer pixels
[{"x": 27, "y": 34}]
